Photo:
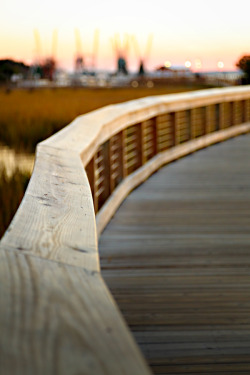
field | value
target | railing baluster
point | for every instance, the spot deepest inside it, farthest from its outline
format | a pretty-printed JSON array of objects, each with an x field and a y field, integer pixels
[
  {"x": 189, "y": 125},
  {"x": 198, "y": 119},
  {"x": 247, "y": 113},
  {"x": 103, "y": 173},
  {"x": 166, "y": 134},
  {"x": 133, "y": 148},
  {"x": 217, "y": 116},
  {"x": 243, "y": 111},
  {"x": 211, "y": 119},
  {"x": 237, "y": 112},
  {"x": 148, "y": 133},
  {"x": 90, "y": 171},
  {"x": 183, "y": 126},
  {"x": 193, "y": 124},
  {"x": 228, "y": 110},
  {"x": 116, "y": 160}
]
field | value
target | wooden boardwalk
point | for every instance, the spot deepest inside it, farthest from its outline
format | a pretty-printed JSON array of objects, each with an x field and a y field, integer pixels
[{"x": 176, "y": 257}]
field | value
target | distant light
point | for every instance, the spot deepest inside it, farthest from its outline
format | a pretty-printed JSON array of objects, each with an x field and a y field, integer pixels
[
  {"x": 167, "y": 64},
  {"x": 134, "y": 84},
  {"x": 150, "y": 84},
  {"x": 220, "y": 64},
  {"x": 188, "y": 64}
]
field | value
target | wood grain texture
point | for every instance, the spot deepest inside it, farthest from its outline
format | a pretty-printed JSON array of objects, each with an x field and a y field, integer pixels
[
  {"x": 56, "y": 219},
  {"x": 59, "y": 319},
  {"x": 176, "y": 257},
  {"x": 56, "y": 314}
]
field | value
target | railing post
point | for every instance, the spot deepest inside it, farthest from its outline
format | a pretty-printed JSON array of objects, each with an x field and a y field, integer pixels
[
  {"x": 103, "y": 173},
  {"x": 132, "y": 149},
  {"x": 217, "y": 116},
  {"x": 237, "y": 112},
  {"x": 247, "y": 110},
  {"x": 228, "y": 114},
  {"x": 116, "y": 160},
  {"x": 183, "y": 126},
  {"x": 172, "y": 126},
  {"x": 208, "y": 119},
  {"x": 204, "y": 119},
  {"x": 148, "y": 139},
  {"x": 90, "y": 171},
  {"x": 166, "y": 131},
  {"x": 243, "y": 111},
  {"x": 189, "y": 124},
  {"x": 211, "y": 119},
  {"x": 98, "y": 172},
  {"x": 198, "y": 122}
]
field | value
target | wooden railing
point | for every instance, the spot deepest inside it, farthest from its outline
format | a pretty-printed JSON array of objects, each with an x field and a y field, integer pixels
[{"x": 56, "y": 314}]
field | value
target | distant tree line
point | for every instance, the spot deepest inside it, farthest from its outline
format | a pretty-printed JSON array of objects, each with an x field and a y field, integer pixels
[
  {"x": 9, "y": 67},
  {"x": 244, "y": 65}
]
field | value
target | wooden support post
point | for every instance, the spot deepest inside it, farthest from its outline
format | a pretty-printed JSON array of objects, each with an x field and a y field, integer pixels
[
  {"x": 116, "y": 160},
  {"x": 227, "y": 115},
  {"x": 247, "y": 110},
  {"x": 203, "y": 120},
  {"x": 172, "y": 128},
  {"x": 217, "y": 116},
  {"x": 90, "y": 170},
  {"x": 211, "y": 119},
  {"x": 237, "y": 112},
  {"x": 208, "y": 118},
  {"x": 189, "y": 125},
  {"x": 124, "y": 156},
  {"x": 148, "y": 139},
  {"x": 243, "y": 111},
  {"x": 132, "y": 149},
  {"x": 102, "y": 174},
  {"x": 198, "y": 121},
  {"x": 183, "y": 126},
  {"x": 192, "y": 122},
  {"x": 166, "y": 131},
  {"x": 138, "y": 146}
]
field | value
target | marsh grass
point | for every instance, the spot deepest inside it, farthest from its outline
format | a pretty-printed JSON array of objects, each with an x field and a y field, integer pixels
[
  {"x": 11, "y": 193},
  {"x": 30, "y": 116}
]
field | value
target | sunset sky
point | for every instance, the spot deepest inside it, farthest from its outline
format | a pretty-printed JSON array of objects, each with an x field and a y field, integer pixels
[{"x": 209, "y": 31}]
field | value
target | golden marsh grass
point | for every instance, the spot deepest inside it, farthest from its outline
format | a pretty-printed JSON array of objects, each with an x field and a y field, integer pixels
[{"x": 30, "y": 116}]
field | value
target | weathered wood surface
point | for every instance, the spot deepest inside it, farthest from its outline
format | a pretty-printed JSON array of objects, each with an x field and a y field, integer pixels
[
  {"x": 56, "y": 312},
  {"x": 176, "y": 257},
  {"x": 56, "y": 219},
  {"x": 60, "y": 319}
]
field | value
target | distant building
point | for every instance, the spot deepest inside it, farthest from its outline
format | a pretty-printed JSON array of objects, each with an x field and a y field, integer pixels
[
  {"x": 173, "y": 71},
  {"x": 226, "y": 77}
]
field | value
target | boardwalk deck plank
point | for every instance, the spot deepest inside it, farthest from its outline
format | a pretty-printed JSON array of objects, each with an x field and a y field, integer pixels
[{"x": 176, "y": 257}]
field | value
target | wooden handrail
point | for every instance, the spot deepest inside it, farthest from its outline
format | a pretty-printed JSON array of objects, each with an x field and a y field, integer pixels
[{"x": 57, "y": 316}]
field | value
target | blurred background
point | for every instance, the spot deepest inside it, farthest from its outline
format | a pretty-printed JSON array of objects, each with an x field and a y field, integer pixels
[{"x": 62, "y": 59}]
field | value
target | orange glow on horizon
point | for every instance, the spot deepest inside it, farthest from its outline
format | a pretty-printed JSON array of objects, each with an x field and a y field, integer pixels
[{"x": 191, "y": 33}]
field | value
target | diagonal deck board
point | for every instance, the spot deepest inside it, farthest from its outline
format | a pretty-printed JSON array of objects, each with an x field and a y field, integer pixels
[{"x": 176, "y": 257}]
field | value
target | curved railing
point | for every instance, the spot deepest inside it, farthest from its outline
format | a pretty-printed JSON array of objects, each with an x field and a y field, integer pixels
[{"x": 57, "y": 316}]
